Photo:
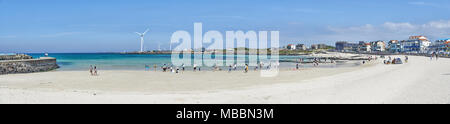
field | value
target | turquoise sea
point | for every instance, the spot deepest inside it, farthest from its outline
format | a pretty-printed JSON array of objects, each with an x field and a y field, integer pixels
[{"x": 117, "y": 61}]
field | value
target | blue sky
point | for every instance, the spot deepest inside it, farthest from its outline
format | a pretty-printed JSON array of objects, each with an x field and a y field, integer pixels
[{"x": 109, "y": 25}]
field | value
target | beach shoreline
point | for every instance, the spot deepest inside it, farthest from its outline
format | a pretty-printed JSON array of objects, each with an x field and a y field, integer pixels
[{"x": 370, "y": 83}]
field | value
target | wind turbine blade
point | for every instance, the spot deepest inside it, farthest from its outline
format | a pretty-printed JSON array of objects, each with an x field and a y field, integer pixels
[
  {"x": 138, "y": 33},
  {"x": 145, "y": 31}
]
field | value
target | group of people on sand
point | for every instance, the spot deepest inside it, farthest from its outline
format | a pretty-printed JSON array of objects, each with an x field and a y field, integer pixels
[
  {"x": 316, "y": 62},
  {"x": 93, "y": 70},
  {"x": 171, "y": 68},
  {"x": 195, "y": 67},
  {"x": 434, "y": 55},
  {"x": 395, "y": 60}
]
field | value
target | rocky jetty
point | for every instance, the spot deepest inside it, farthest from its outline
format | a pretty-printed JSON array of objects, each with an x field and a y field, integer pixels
[
  {"x": 15, "y": 57},
  {"x": 12, "y": 64}
]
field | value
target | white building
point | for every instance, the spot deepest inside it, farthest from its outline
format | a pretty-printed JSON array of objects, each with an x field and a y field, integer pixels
[
  {"x": 291, "y": 47},
  {"x": 416, "y": 44},
  {"x": 379, "y": 46}
]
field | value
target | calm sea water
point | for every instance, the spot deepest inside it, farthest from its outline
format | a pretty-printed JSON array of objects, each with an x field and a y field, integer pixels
[{"x": 116, "y": 61}]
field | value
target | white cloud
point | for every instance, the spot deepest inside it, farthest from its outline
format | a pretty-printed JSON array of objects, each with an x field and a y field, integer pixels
[
  {"x": 387, "y": 31},
  {"x": 428, "y": 4},
  {"x": 362, "y": 29},
  {"x": 438, "y": 24},
  {"x": 398, "y": 26}
]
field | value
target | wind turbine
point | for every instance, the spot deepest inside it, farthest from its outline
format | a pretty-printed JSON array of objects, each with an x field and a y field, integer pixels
[{"x": 142, "y": 39}]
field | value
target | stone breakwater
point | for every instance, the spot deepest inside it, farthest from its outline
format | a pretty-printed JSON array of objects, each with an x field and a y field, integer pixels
[
  {"x": 15, "y": 57},
  {"x": 27, "y": 65}
]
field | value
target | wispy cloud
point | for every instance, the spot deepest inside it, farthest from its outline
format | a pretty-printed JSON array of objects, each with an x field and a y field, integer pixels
[
  {"x": 387, "y": 31},
  {"x": 428, "y": 4},
  {"x": 60, "y": 34},
  {"x": 417, "y": 3}
]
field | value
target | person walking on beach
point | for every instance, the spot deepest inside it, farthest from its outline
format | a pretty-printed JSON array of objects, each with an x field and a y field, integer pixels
[
  {"x": 437, "y": 56},
  {"x": 195, "y": 67},
  {"x": 234, "y": 66},
  {"x": 229, "y": 69},
  {"x": 261, "y": 65},
  {"x": 91, "y": 69},
  {"x": 297, "y": 67},
  {"x": 246, "y": 68},
  {"x": 406, "y": 59},
  {"x": 432, "y": 55},
  {"x": 95, "y": 71},
  {"x": 164, "y": 68},
  {"x": 182, "y": 66}
]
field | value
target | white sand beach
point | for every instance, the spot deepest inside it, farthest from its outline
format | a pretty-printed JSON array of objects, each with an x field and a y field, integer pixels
[{"x": 419, "y": 81}]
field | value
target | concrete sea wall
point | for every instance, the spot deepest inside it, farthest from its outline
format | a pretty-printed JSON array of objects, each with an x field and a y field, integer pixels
[{"x": 27, "y": 65}]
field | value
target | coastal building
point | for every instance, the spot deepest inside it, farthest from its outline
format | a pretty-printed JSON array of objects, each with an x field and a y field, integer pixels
[
  {"x": 290, "y": 47},
  {"x": 378, "y": 46},
  {"x": 345, "y": 46},
  {"x": 301, "y": 47},
  {"x": 319, "y": 46},
  {"x": 394, "y": 46},
  {"x": 364, "y": 47},
  {"x": 415, "y": 44},
  {"x": 442, "y": 45},
  {"x": 340, "y": 45}
]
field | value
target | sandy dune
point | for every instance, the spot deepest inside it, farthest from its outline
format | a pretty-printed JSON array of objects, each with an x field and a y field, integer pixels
[{"x": 419, "y": 81}]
